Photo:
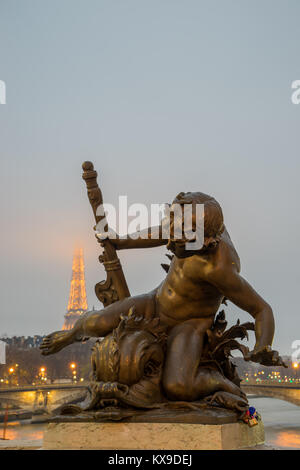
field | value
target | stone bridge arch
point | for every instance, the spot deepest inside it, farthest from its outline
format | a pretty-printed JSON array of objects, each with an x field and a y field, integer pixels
[
  {"x": 282, "y": 392},
  {"x": 44, "y": 399}
]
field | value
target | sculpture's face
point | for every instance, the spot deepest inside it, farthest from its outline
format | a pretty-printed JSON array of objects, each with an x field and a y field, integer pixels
[
  {"x": 194, "y": 217},
  {"x": 177, "y": 219},
  {"x": 181, "y": 234}
]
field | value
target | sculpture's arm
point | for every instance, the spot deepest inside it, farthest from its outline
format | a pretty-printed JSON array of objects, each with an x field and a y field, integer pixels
[
  {"x": 236, "y": 289},
  {"x": 147, "y": 238}
]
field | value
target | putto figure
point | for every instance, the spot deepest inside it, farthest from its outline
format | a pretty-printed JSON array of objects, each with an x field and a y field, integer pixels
[{"x": 170, "y": 346}]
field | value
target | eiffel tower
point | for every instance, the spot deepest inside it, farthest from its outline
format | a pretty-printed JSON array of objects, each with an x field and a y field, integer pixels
[{"x": 77, "y": 304}]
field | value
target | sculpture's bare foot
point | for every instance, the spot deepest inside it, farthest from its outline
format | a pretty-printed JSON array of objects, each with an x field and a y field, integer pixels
[
  {"x": 228, "y": 400},
  {"x": 55, "y": 342}
]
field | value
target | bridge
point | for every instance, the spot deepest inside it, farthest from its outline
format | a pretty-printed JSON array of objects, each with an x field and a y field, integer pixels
[
  {"x": 290, "y": 393},
  {"x": 46, "y": 398},
  {"x": 41, "y": 398}
]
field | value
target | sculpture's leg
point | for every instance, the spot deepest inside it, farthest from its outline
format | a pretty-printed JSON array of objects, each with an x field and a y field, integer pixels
[
  {"x": 183, "y": 379},
  {"x": 98, "y": 323}
]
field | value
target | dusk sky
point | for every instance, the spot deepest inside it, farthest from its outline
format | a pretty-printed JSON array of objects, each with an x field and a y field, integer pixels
[{"x": 163, "y": 96}]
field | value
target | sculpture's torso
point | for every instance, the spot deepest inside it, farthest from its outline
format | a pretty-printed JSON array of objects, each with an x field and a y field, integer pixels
[{"x": 188, "y": 291}]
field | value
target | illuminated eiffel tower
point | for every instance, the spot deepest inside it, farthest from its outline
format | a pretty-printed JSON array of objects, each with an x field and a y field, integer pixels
[{"x": 77, "y": 304}]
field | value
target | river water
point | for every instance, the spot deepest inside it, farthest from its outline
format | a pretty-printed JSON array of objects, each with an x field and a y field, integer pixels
[{"x": 281, "y": 420}]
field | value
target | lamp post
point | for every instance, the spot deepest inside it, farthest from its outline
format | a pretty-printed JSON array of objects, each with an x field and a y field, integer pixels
[
  {"x": 42, "y": 373},
  {"x": 74, "y": 372},
  {"x": 11, "y": 371},
  {"x": 295, "y": 366}
]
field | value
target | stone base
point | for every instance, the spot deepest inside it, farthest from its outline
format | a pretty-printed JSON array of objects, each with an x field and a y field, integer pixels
[
  {"x": 152, "y": 436},
  {"x": 20, "y": 444},
  {"x": 202, "y": 415}
]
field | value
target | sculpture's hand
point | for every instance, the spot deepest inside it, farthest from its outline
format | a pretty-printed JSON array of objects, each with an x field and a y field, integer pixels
[
  {"x": 110, "y": 235},
  {"x": 265, "y": 356}
]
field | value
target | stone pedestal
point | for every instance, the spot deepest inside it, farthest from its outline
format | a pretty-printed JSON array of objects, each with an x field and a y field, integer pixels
[{"x": 151, "y": 436}]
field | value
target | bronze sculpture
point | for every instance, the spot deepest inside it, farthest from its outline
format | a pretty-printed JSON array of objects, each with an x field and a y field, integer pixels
[{"x": 169, "y": 349}]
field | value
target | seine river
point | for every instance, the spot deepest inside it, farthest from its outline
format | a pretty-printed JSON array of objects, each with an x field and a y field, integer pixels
[{"x": 281, "y": 420}]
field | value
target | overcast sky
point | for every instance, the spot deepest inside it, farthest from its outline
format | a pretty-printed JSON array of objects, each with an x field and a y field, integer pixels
[{"x": 163, "y": 96}]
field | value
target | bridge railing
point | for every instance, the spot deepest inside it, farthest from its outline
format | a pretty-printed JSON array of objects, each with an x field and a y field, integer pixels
[
  {"x": 270, "y": 383},
  {"x": 28, "y": 388}
]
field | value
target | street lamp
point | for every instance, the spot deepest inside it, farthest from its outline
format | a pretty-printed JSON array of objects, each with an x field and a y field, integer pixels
[
  {"x": 295, "y": 366},
  {"x": 11, "y": 370},
  {"x": 73, "y": 368},
  {"x": 43, "y": 373}
]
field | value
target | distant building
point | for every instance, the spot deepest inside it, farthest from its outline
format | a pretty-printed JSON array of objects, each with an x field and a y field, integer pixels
[
  {"x": 77, "y": 304},
  {"x": 23, "y": 342}
]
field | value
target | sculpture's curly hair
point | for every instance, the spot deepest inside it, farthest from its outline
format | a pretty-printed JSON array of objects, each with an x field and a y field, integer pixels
[{"x": 213, "y": 215}]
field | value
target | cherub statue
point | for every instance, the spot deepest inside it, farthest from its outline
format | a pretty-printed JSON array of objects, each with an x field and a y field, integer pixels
[{"x": 192, "y": 347}]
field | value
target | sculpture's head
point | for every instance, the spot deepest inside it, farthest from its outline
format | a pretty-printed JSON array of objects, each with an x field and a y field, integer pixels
[{"x": 213, "y": 219}]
